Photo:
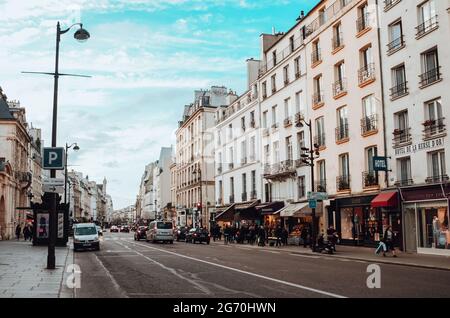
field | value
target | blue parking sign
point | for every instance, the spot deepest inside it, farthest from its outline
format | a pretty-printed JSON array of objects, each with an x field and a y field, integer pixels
[
  {"x": 312, "y": 204},
  {"x": 53, "y": 159}
]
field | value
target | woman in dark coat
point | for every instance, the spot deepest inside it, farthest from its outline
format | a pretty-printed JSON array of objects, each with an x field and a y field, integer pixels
[{"x": 304, "y": 235}]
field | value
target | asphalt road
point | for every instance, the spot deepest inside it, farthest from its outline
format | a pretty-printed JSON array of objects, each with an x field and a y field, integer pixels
[{"x": 125, "y": 268}]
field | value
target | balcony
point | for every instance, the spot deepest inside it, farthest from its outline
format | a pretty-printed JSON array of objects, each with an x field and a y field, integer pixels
[
  {"x": 264, "y": 96},
  {"x": 399, "y": 90},
  {"x": 388, "y": 4},
  {"x": 320, "y": 140},
  {"x": 219, "y": 170},
  {"x": 427, "y": 27},
  {"x": 232, "y": 199},
  {"x": 402, "y": 136},
  {"x": 343, "y": 183},
  {"x": 282, "y": 170},
  {"x": 366, "y": 74},
  {"x": 274, "y": 90},
  {"x": 297, "y": 74},
  {"x": 230, "y": 166},
  {"x": 244, "y": 197},
  {"x": 286, "y": 82},
  {"x": 342, "y": 134},
  {"x": 287, "y": 122},
  {"x": 299, "y": 118},
  {"x": 317, "y": 100},
  {"x": 337, "y": 42},
  {"x": 370, "y": 179},
  {"x": 253, "y": 124},
  {"x": 266, "y": 132},
  {"x": 275, "y": 126},
  {"x": 321, "y": 186},
  {"x": 437, "y": 179},
  {"x": 316, "y": 57},
  {"x": 23, "y": 176},
  {"x": 369, "y": 125},
  {"x": 430, "y": 77},
  {"x": 243, "y": 161},
  {"x": 404, "y": 182},
  {"x": 339, "y": 88},
  {"x": 395, "y": 45},
  {"x": 253, "y": 195},
  {"x": 362, "y": 23},
  {"x": 252, "y": 158},
  {"x": 299, "y": 163},
  {"x": 433, "y": 128}
]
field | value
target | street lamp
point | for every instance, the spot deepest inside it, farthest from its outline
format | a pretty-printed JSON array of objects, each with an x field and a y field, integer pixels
[
  {"x": 200, "y": 205},
  {"x": 81, "y": 35},
  {"x": 308, "y": 157},
  {"x": 75, "y": 148}
]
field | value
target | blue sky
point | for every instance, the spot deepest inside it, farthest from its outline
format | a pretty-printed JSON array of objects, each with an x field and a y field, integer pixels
[{"x": 146, "y": 58}]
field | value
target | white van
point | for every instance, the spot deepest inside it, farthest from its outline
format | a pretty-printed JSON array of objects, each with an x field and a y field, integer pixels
[
  {"x": 161, "y": 231},
  {"x": 85, "y": 236}
]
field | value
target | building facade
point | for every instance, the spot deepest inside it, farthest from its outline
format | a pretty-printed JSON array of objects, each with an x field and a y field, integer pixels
[{"x": 416, "y": 58}]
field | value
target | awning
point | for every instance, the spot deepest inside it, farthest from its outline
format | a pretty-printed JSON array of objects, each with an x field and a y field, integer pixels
[
  {"x": 386, "y": 199},
  {"x": 246, "y": 205},
  {"x": 271, "y": 208},
  {"x": 292, "y": 208},
  {"x": 227, "y": 215}
]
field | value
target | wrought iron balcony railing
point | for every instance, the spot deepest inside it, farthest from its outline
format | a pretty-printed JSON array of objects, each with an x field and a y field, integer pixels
[
  {"x": 362, "y": 22},
  {"x": 370, "y": 179},
  {"x": 395, "y": 44},
  {"x": 430, "y": 77},
  {"x": 402, "y": 136},
  {"x": 342, "y": 132},
  {"x": 434, "y": 127},
  {"x": 366, "y": 73},
  {"x": 369, "y": 124},
  {"x": 343, "y": 183},
  {"x": 399, "y": 90},
  {"x": 339, "y": 87},
  {"x": 427, "y": 26}
]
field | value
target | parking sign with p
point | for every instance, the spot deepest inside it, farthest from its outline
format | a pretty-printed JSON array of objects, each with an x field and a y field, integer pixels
[{"x": 53, "y": 159}]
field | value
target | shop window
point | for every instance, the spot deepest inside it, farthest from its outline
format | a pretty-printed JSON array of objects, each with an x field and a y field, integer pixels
[{"x": 433, "y": 227}]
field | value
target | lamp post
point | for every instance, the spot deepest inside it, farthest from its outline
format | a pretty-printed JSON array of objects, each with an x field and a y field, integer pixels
[
  {"x": 75, "y": 148},
  {"x": 81, "y": 35},
  {"x": 308, "y": 157},
  {"x": 199, "y": 172}
]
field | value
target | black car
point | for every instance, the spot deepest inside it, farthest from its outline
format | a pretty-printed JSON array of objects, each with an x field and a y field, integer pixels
[
  {"x": 141, "y": 233},
  {"x": 125, "y": 229},
  {"x": 198, "y": 235},
  {"x": 181, "y": 233}
]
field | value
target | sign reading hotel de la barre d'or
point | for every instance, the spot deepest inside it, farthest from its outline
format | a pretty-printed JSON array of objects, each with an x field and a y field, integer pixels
[{"x": 422, "y": 146}]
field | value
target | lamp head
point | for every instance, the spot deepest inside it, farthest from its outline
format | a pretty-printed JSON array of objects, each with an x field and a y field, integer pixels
[
  {"x": 76, "y": 148},
  {"x": 82, "y": 35}
]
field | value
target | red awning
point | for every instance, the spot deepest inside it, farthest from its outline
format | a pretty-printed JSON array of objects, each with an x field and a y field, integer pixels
[{"x": 385, "y": 200}]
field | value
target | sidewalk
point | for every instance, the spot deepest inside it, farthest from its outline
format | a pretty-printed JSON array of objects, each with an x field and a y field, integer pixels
[
  {"x": 23, "y": 272},
  {"x": 364, "y": 254}
]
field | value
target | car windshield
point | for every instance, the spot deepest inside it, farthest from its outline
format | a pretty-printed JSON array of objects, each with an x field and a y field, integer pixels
[
  {"x": 86, "y": 231},
  {"x": 164, "y": 225},
  {"x": 143, "y": 228}
]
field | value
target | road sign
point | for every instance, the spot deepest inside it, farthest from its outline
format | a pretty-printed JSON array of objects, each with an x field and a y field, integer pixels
[
  {"x": 318, "y": 196},
  {"x": 53, "y": 189},
  {"x": 54, "y": 182},
  {"x": 53, "y": 159},
  {"x": 380, "y": 164},
  {"x": 312, "y": 204}
]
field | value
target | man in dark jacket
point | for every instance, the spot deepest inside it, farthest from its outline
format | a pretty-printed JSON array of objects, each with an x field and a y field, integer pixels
[
  {"x": 278, "y": 232},
  {"x": 262, "y": 236},
  {"x": 18, "y": 231},
  {"x": 304, "y": 235}
]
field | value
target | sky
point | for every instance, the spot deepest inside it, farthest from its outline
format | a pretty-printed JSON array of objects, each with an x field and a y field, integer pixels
[{"x": 146, "y": 58}]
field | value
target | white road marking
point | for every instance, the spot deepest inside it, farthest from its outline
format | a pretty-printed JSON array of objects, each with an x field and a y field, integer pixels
[
  {"x": 247, "y": 273},
  {"x": 267, "y": 251},
  {"x": 305, "y": 256},
  {"x": 111, "y": 277}
]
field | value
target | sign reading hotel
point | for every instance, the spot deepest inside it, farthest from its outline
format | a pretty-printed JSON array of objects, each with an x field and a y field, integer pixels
[{"x": 426, "y": 145}]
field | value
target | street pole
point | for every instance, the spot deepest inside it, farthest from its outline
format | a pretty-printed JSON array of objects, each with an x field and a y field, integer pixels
[
  {"x": 201, "y": 198},
  {"x": 65, "y": 175},
  {"x": 313, "y": 214}
]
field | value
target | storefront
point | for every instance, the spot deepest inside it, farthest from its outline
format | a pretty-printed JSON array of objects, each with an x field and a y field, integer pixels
[
  {"x": 361, "y": 221},
  {"x": 224, "y": 216},
  {"x": 246, "y": 214},
  {"x": 426, "y": 216},
  {"x": 270, "y": 214}
]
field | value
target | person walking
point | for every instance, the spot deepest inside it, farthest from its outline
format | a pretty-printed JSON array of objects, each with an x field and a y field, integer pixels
[
  {"x": 18, "y": 231},
  {"x": 262, "y": 236},
  {"x": 304, "y": 235},
  {"x": 389, "y": 240},
  {"x": 278, "y": 232},
  {"x": 26, "y": 232},
  {"x": 284, "y": 236}
]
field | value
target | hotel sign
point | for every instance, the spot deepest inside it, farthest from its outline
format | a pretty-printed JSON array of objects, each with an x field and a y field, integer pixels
[{"x": 423, "y": 146}]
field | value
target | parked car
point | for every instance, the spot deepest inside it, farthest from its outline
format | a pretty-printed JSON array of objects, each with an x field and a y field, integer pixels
[
  {"x": 85, "y": 236},
  {"x": 198, "y": 235},
  {"x": 181, "y": 233},
  {"x": 99, "y": 230},
  {"x": 125, "y": 229},
  {"x": 141, "y": 233},
  {"x": 114, "y": 229},
  {"x": 160, "y": 231}
]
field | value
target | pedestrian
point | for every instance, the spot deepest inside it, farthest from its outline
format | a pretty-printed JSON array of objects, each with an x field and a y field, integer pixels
[
  {"x": 31, "y": 232},
  {"x": 18, "y": 231},
  {"x": 304, "y": 235},
  {"x": 389, "y": 240},
  {"x": 262, "y": 236},
  {"x": 26, "y": 232},
  {"x": 284, "y": 236},
  {"x": 278, "y": 232}
]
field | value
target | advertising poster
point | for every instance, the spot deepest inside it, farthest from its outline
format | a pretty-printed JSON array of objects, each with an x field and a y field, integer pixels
[
  {"x": 60, "y": 225},
  {"x": 42, "y": 225}
]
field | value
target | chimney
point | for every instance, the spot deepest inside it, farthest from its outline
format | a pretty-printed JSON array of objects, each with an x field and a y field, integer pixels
[
  {"x": 302, "y": 16},
  {"x": 273, "y": 30}
]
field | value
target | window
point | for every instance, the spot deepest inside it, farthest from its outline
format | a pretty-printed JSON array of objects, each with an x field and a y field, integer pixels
[
  {"x": 230, "y": 132},
  {"x": 401, "y": 132},
  {"x": 299, "y": 107},
  {"x": 301, "y": 187},
  {"x": 231, "y": 158},
  {"x": 276, "y": 152},
  {"x": 399, "y": 87},
  {"x": 342, "y": 123},
  {"x": 316, "y": 54},
  {"x": 404, "y": 171},
  {"x": 220, "y": 192},
  {"x": 370, "y": 176},
  {"x": 367, "y": 70},
  {"x": 297, "y": 67},
  {"x": 274, "y": 57},
  {"x": 252, "y": 148},
  {"x": 253, "y": 194},
  {"x": 289, "y": 150},
  {"x": 286, "y": 74},
  {"x": 274, "y": 117},
  {"x": 343, "y": 180},
  {"x": 243, "y": 124},
  {"x": 287, "y": 106},
  {"x": 436, "y": 167},
  {"x": 220, "y": 159},
  {"x": 395, "y": 36},
  {"x": 321, "y": 184},
  {"x": 252, "y": 120},
  {"x": 338, "y": 41},
  {"x": 231, "y": 190},
  {"x": 265, "y": 119},
  {"x": 320, "y": 132},
  {"x": 219, "y": 137},
  {"x": 243, "y": 152},
  {"x": 274, "y": 83},
  {"x": 318, "y": 96},
  {"x": 434, "y": 119},
  {"x": 267, "y": 154},
  {"x": 292, "y": 44},
  {"x": 340, "y": 85},
  {"x": 430, "y": 68},
  {"x": 369, "y": 123},
  {"x": 264, "y": 90},
  {"x": 428, "y": 19},
  {"x": 363, "y": 18},
  {"x": 244, "y": 187},
  {"x": 301, "y": 144},
  {"x": 322, "y": 16}
]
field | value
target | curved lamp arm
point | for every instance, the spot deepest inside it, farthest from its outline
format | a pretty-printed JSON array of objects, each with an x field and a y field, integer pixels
[{"x": 68, "y": 29}]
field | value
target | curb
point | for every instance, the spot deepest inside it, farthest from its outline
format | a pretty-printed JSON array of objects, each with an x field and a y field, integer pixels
[{"x": 381, "y": 261}]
